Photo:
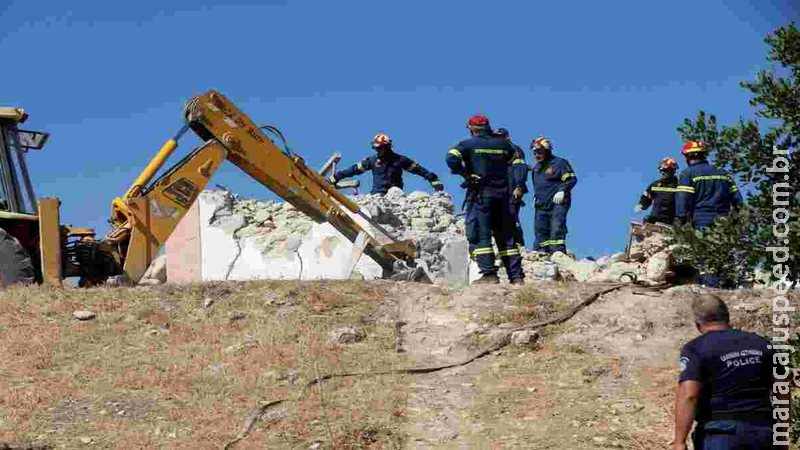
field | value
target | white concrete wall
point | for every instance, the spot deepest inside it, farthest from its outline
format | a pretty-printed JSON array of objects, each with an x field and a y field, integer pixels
[{"x": 323, "y": 250}]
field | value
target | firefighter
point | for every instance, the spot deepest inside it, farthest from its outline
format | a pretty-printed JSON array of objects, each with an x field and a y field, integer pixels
[
  {"x": 483, "y": 161},
  {"x": 517, "y": 171},
  {"x": 661, "y": 195},
  {"x": 704, "y": 192},
  {"x": 553, "y": 180},
  {"x": 387, "y": 168}
]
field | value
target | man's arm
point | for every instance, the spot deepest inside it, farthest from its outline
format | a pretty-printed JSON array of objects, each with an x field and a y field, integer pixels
[
  {"x": 684, "y": 198},
  {"x": 736, "y": 196},
  {"x": 356, "y": 169},
  {"x": 646, "y": 199},
  {"x": 519, "y": 169},
  {"x": 455, "y": 160},
  {"x": 409, "y": 165},
  {"x": 686, "y": 398},
  {"x": 568, "y": 178}
]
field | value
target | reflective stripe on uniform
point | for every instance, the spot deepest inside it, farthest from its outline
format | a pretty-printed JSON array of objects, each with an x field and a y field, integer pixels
[
  {"x": 483, "y": 251},
  {"x": 518, "y": 161},
  {"x": 509, "y": 252},
  {"x": 435, "y": 183},
  {"x": 360, "y": 166},
  {"x": 665, "y": 189},
  {"x": 489, "y": 151},
  {"x": 734, "y": 188},
  {"x": 413, "y": 165},
  {"x": 567, "y": 176},
  {"x": 710, "y": 177},
  {"x": 552, "y": 242},
  {"x": 688, "y": 189},
  {"x": 454, "y": 152}
]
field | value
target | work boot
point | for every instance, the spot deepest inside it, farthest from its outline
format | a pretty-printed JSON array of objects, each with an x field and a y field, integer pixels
[
  {"x": 518, "y": 281},
  {"x": 487, "y": 278}
]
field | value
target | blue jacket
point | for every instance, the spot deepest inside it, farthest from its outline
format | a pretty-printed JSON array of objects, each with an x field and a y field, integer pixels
[
  {"x": 387, "y": 171},
  {"x": 704, "y": 190},
  {"x": 552, "y": 176},
  {"x": 487, "y": 156},
  {"x": 518, "y": 171}
]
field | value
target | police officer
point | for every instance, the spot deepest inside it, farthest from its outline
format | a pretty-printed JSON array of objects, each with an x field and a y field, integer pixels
[
  {"x": 661, "y": 194},
  {"x": 387, "y": 168},
  {"x": 518, "y": 172},
  {"x": 704, "y": 192},
  {"x": 483, "y": 161},
  {"x": 553, "y": 180},
  {"x": 725, "y": 384}
]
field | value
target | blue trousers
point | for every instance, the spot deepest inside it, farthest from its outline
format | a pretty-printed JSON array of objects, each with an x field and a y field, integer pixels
[
  {"x": 733, "y": 434},
  {"x": 701, "y": 221},
  {"x": 550, "y": 227},
  {"x": 487, "y": 216},
  {"x": 519, "y": 238}
]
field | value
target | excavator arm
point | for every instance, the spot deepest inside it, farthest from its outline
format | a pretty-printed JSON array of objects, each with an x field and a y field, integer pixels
[{"x": 148, "y": 213}]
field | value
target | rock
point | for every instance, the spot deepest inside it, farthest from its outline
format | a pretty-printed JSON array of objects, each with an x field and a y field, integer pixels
[
  {"x": 85, "y": 440},
  {"x": 579, "y": 270},
  {"x": 347, "y": 334},
  {"x": 149, "y": 282},
  {"x": 417, "y": 195},
  {"x": 658, "y": 266},
  {"x": 525, "y": 337},
  {"x": 421, "y": 224},
  {"x": 157, "y": 270},
  {"x": 616, "y": 272},
  {"x": 207, "y": 302},
  {"x": 395, "y": 192},
  {"x": 541, "y": 270},
  {"x": 84, "y": 315},
  {"x": 425, "y": 212}
]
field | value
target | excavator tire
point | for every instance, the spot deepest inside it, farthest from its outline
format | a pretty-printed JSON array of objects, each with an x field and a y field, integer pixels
[{"x": 16, "y": 266}]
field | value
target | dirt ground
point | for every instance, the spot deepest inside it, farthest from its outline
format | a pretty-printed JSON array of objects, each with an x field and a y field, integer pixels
[{"x": 191, "y": 366}]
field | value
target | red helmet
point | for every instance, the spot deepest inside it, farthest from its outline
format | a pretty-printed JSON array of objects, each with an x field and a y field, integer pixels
[
  {"x": 478, "y": 121},
  {"x": 693, "y": 147},
  {"x": 381, "y": 140},
  {"x": 668, "y": 164},
  {"x": 541, "y": 142}
]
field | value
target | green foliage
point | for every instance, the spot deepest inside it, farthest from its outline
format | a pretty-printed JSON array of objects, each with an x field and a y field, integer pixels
[
  {"x": 724, "y": 249},
  {"x": 746, "y": 150}
]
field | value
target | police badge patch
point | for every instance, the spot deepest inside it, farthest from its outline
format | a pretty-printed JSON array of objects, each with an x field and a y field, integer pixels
[{"x": 683, "y": 362}]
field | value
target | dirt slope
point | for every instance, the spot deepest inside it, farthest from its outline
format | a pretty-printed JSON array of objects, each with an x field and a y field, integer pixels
[{"x": 190, "y": 366}]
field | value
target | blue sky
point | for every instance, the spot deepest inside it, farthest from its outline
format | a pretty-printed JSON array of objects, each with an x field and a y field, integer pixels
[{"x": 608, "y": 82}]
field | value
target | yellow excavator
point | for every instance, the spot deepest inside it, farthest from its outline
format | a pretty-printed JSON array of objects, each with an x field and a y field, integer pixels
[{"x": 36, "y": 248}]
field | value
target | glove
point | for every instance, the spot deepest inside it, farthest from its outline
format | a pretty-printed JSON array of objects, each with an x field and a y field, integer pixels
[
  {"x": 559, "y": 197},
  {"x": 517, "y": 194},
  {"x": 638, "y": 209},
  {"x": 437, "y": 186},
  {"x": 471, "y": 181}
]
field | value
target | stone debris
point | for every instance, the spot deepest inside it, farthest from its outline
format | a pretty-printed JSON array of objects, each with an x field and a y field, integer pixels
[
  {"x": 347, "y": 334},
  {"x": 525, "y": 337},
  {"x": 84, "y": 315},
  {"x": 156, "y": 273},
  {"x": 277, "y": 228}
]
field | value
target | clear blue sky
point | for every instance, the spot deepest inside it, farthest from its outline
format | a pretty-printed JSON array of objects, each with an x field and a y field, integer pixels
[{"x": 608, "y": 82}]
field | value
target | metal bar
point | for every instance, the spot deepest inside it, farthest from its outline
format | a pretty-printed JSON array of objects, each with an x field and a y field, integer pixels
[
  {"x": 23, "y": 168},
  {"x": 7, "y": 174},
  {"x": 330, "y": 164}
]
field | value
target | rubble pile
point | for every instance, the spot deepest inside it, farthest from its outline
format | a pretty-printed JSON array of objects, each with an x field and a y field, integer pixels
[{"x": 271, "y": 226}]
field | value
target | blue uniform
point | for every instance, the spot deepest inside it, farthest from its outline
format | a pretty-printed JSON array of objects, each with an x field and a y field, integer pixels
[
  {"x": 549, "y": 177},
  {"x": 735, "y": 369},
  {"x": 488, "y": 204},
  {"x": 387, "y": 171},
  {"x": 661, "y": 194},
  {"x": 518, "y": 173},
  {"x": 705, "y": 192}
]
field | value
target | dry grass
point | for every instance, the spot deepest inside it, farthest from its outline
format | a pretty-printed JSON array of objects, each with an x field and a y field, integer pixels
[{"x": 157, "y": 369}]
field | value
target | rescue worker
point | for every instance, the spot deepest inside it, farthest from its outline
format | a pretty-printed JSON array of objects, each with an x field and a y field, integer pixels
[
  {"x": 483, "y": 161},
  {"x": 661, "y": 194},
  {"x": 517, "y": 171},
  {"x": 704, "y": 192},
  {"x": 553, "y": 180},
  {"x": 387, "y": 168},
  {"x": 725, "y": 384}
]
